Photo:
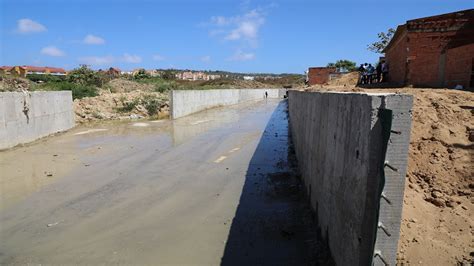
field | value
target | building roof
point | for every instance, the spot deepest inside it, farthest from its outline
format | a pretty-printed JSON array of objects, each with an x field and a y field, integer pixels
[
  {"x": 115, "y": 69},
  {"x": 44, "y": 69},
  {"x": 6, "y": 67},
  {"x": 460, "y": 21}
]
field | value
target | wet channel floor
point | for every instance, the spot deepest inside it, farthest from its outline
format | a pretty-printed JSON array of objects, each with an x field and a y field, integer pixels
[{"x": 212, "y": 188}]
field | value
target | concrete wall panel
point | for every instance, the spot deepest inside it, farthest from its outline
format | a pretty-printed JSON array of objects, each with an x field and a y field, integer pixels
[
  {"x": 341, "y": 150},
  {"x": 25, "y": 117},
  {"x": 185, "y": 102}
]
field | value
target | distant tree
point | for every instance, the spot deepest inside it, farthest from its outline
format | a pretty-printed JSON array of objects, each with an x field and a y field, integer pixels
[
  {"x": 168, "y": 75},
  {"x": 86, "y": 76},
  {"x": 384, "y": 39},
  {"x": 141, "y": 74},
  {"x": 343, "y": 64}
]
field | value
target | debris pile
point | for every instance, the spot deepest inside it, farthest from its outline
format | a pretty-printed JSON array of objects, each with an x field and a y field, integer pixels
[{"x": 115, "y": 106}]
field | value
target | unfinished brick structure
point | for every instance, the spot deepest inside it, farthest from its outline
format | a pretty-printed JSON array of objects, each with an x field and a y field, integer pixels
[
  {"x": 434, "y": 51},
  {"x": 319, "y": 75}
]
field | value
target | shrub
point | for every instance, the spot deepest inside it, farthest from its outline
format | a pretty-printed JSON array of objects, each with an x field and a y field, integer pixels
[
  {"x": 128, "y": 106},
  {"x": 85, "y": 76},
  {"x": 141, "y": 75},
  {"x": 78, "y": 91},
  {"x": 45, "y": 78},
  {"x": 151, "y": 103}
]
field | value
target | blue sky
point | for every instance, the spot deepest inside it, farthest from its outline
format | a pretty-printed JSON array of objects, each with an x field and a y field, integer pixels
[{"x": 241, "y": 36}]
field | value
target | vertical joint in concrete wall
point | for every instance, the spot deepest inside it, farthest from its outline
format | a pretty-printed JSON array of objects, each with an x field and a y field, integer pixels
[{"x": 394, "y": 170}]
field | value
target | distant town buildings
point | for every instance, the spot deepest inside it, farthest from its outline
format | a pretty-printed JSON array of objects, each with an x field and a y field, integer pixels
[
  {"x": 249, "y": 78},
  {"x": 196, "y": 75},
  {"x": 22, "y": 71}
]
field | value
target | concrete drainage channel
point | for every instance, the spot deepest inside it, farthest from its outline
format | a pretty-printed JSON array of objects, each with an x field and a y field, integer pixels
[{"x": 352, "y": 151}]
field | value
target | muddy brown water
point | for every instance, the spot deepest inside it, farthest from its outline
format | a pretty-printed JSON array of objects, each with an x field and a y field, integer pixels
[{"x": 212, "y": 188}]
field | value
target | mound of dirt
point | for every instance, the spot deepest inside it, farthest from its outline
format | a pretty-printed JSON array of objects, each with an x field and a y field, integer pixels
[
  {"x": 438, "y": 212},
  {"x": 118, "y": 106},
  {"x": 349, "y": 79},
  {"x": 14, "y": 84},
  {"x": 123, "y": 85}
]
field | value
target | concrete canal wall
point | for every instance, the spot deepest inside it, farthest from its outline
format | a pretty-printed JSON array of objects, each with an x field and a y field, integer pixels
[
  {"x": 352, "y": 152},
  {"x": 25, "y": 117},
  {"x": 185, "y": 102}
]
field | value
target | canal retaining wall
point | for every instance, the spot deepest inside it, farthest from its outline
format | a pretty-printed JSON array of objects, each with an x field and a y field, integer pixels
[
  {"x": 352, "y": 153},
  {"x": 186, "y": 102},
  {"x": 25, "y": 117}
]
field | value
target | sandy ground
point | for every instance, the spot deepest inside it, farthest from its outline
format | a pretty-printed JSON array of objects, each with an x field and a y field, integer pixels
[
  {"x": 159, "y": 192},
  {"x": 438, "y": 212}
]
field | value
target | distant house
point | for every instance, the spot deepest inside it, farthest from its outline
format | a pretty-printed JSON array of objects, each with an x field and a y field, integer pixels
[
  {"x": 114, "y": 72},
  {"x": 249, "y": 78},
  {"x": 319, "y": 75},
  {"x": 435, "y": 51},
  {"x": 22, "y": 71},
  {"x": 154, "y": 73},
  {"x": 5, "y": 70},
  {"x": 213, "y": 77},
  {"x": 193, "y": 76}
]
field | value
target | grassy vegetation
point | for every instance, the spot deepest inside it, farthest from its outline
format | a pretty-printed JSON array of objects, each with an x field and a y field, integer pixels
[
  {"x": 78, "y": 91},
  {"x": 128, "y": 106},
  {"x": 151, "y": 102},
  {"x": 82, "y": 81}
]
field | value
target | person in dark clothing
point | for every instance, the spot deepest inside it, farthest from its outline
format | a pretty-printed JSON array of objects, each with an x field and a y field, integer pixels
[
  {"x": 370, "y": 74},
  {"x": 266, "y": 95},
  {"x": 361, "y": 70},
  {"x": 378, "y": 71},
  {"x": 384, "y": 71}
]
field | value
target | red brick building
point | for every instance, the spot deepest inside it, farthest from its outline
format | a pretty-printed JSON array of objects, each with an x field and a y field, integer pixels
[
  {"x": 319, "y": 75},
  {"x": 434, "y": 51}
]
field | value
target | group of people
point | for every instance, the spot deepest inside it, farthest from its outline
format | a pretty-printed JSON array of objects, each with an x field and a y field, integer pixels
[{"x": 370, "y": 74}]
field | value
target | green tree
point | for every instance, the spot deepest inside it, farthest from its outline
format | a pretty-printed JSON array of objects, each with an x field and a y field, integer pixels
[
  {"x": 343, "y": 64},
  {"x": 168, "y": 75},
  {"x": 86, "y": 77},
  {"x": 384, "y": 39},
  {"x": 141, "y": 74}
]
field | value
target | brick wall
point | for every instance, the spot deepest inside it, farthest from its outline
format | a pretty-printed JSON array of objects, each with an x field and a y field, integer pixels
[
  {"x": 459, "y": 66},
  {"x": 319, "y": 75},
  {"x": 426, "y": 66},
  {"x": 422, "y": 59},
  {"x": 397, "y": 58}
]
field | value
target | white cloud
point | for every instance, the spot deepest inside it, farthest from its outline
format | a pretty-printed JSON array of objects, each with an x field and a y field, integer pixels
[
  {"x": 206, "y": 59},
  {"x": 243, "y": 27},
  {"x": 91, "y": 39},
  {"x": 220, "y": 20},
  {"x": 97, "y": 60},
  {"x": 52, "y": 51},
  {"x": 26, "y": 25},
  {"x": 134, "y": 59},
  {"x": 242, "y": 56},
  {"x": 158, "y": 57},
  {"x": 107, "y": 60}
]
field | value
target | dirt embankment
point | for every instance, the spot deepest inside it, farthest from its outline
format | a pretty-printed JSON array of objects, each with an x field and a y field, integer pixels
[
  {"x": 438, "y": 212},
  {"x": 125, "y": 105},
  {"x": 14, "y": 84}
]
